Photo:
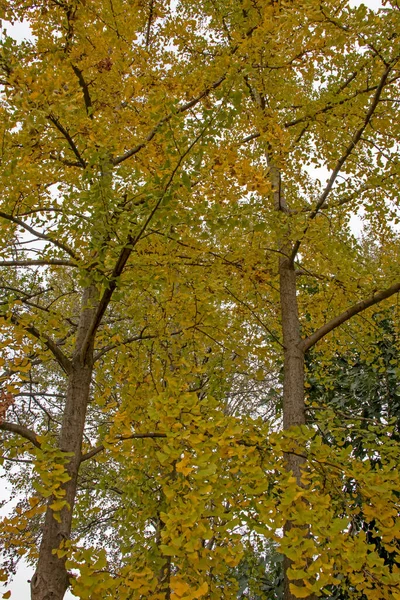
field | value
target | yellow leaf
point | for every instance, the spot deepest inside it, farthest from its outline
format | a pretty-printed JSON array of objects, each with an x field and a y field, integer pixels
[
  {"x": 182, "y": 467},
  {"x": 299, "y": 592},
  {"x": 201, "y": 591},
  {"x": 58, "y": 505},
  {"x": 179, "y": 587}
]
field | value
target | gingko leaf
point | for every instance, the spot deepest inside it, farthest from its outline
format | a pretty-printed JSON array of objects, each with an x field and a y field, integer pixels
[
  {"x": 299, "y": 592},
  {"x": 198, "y": 347}
]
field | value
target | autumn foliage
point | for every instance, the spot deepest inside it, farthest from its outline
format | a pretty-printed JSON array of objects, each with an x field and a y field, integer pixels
[{"x": 179, "y": 273}]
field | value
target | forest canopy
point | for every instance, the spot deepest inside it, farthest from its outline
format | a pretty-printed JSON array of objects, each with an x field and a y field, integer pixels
[{"x": 198, "y": 355}]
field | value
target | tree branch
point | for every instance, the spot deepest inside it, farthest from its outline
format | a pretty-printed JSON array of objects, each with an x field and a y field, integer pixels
[
  {"x": 149, "y": 23},
  {"x": 85, "y": 90},
  {"x": 69, "y": 139},
  {"x": 256, "y": 317},
  {"x": 60, "y": 357},
  {"x": 331, "y": 105},
  {"x": 24, "y": 432},
  {"x": 134, "y": 436},
  {"x": 38, "y": 234},
  {"x": 136, "y": 338},
  {"x": 355, "y": 139},
  {"x": 183, "y": 108},
  {"x": 128, "y": 249},
  {"x": 34, "y": 263},
  {"x": 250, "y": 138},
  {"x": 348, "y": 314}
]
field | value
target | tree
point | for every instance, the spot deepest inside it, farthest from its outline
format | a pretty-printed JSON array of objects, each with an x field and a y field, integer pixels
[
  {"x": 354, "y": 394},
  {"x": 364, "y": 392},
  {"x": 163, "y": 238}
]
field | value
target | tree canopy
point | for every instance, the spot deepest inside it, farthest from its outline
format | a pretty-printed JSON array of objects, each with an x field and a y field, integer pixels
[{"x": 179, "y": 280}]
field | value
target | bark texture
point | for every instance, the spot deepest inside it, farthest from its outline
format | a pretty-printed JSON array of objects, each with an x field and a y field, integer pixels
[
  {"x": 293, "y": 381},
  {"x": 51, "y": 578}
]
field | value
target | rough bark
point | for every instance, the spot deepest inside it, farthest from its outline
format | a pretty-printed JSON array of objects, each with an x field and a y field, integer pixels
[
  {"x": 293, "y": 381},
  {"x": 51, "y": 579}
]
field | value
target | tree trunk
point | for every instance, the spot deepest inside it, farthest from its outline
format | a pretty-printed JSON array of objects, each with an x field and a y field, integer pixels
[
  {"x": 51, "y": 578},
  {"x": 293, "y": 379}
]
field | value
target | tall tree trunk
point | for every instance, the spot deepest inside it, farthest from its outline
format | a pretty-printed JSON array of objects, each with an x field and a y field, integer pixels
[
  {"x": 51, "y": 579},
  {"x": 293, "y": 379}
]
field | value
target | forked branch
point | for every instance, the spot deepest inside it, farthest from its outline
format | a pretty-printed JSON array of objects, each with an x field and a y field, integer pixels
[
  {"x": 127, "y": 250},
  {"x": 69, "y": 139}
]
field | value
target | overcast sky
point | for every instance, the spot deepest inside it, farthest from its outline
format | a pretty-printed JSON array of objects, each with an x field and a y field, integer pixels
[{"x": 20, "y": 586}]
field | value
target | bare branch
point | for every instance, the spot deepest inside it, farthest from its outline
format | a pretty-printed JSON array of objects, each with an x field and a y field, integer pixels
[
  {"x": 348, "y": 314},
  {"x": 24, "y": 432}
]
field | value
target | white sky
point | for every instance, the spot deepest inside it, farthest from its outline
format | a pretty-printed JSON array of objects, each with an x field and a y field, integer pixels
[{"x": 20, "y": 589}]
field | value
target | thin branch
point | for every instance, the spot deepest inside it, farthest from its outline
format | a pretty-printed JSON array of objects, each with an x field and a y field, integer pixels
[
  {"x": 326, "y": 108},
  {"x": 355, "y": 139},
  {"x": 348, "y": 314},
  {"x": 34, "y": 394},
  {"x": 69, "y": 139},
  {"x": 250, "y": 138},
  {"x": 183, "y": 108},
  {"x": 134, "y": 436},
  {"x": 17, "y": 460},
  {"x": 24, "y": 432},
  {"x": 340, "y": 202},
  {"x": 257, "y": 318},
  {"x": 213, "y": 339},
  {"x": 60, "y": 357},
  {"x": 39, "y": 234},
  {"x": 136, "y": 338},
  {"x": 64, "y": 161},
  {"x": 43, "y": 209},
  {"x": 25, "y": 294},
  {"x": 332, "y": 105},
  {"x": 34, "y": 263}
]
